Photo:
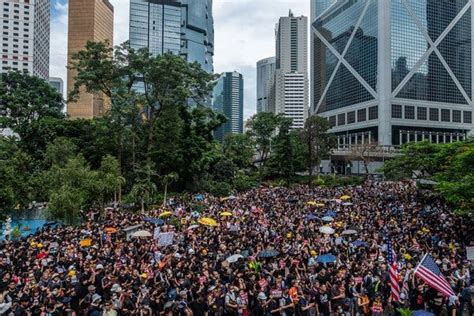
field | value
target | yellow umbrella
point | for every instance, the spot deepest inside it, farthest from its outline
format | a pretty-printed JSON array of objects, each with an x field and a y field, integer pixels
[
  {"x": 345, "y": 197},
  {"x": 311, "y": 203},
  {"x": 165, "y": 214},
  {"x": 207, "y": 221},
  {"x": 319, "y": 204},
  {"x": 226, "y": 214},
  {"x": 85, "y": 242}
]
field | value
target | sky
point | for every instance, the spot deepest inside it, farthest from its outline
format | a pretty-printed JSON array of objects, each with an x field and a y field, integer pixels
[{"x": 244, "y": 34}]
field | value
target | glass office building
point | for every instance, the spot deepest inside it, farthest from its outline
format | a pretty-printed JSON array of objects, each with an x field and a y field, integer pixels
[
  {"x": 393, "y": 71},
  {"x": 181, "y": 27},
  {"x": 228, "y": 98}
]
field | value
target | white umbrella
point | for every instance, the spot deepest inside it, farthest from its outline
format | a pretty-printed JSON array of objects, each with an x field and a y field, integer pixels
[
  {"x": 193, "y": 227},
  {"x": 347, "y": 204},
  {"x": 234, "y": 258},
  {"x": 349, "y": 232},
  {"x": 327, "y": 219},
  {"x": 326, "y": 230},
  {"x": 142, "y": 233}
]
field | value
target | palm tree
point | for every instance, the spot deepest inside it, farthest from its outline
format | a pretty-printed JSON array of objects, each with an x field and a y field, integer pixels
[{"x": 168, "y": 179}]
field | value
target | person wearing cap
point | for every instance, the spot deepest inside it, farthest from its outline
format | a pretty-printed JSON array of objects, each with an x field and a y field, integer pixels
[{"x": 95, "y": 306}]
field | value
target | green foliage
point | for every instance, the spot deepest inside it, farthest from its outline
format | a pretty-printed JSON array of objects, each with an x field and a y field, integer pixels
[
  {"x": 15, "y": 233},
  {"x": 449, "y": 165},
  {"x": 262, "y": 130},
  {"x": 26, "y": 100},
  {"x": 318, "y": 141},
  {"x": 243, "y": 181},
  {"x": 240, "y": 149},
  {"x": 220, "y": 189}
]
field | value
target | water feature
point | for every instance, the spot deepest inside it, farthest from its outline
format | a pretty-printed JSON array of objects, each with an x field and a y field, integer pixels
[{"x": 29, "y": 221}]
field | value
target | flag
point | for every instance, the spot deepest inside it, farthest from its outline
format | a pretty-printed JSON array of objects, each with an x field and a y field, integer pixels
[
  {"x": 394, "y": 286},
  {"x": 429, "y": 272}
]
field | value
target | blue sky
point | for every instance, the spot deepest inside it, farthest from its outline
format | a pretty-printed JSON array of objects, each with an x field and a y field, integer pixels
[{"x": 244, "y": 34}]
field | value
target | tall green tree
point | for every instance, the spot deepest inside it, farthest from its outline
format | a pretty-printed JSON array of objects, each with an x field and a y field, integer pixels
[
  {"x": 25, "y": 100},
  {"x": 240, "y": 149},
  {"x": 262, "y": 129},
  {"x": 319, "y": 143}
]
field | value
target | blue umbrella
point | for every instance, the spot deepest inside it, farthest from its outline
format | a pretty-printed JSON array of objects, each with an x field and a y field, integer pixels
[
  {"x": 311, "y": 217},
  {"x": 199, "y": 197},
  {"x": 156, "y": 221},
  {"x": 327, "y": 258},
  {"x": 330, "y": 214},
  {"x": 359, "y": 243},
  {"x": 422, "y": 313},
  {"x": 268, "y": 253}
]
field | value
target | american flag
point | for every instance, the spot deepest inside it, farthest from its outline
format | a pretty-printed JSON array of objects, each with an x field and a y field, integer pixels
[
  {"x": 429, "y": 272},
  {"x": 394, "y": 286}
]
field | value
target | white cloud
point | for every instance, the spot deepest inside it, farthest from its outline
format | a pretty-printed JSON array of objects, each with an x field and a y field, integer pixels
[{"x": 244, "y": 34}]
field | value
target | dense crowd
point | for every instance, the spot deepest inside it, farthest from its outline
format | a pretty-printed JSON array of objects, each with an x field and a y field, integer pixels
[{"x": 265, "y": 255}]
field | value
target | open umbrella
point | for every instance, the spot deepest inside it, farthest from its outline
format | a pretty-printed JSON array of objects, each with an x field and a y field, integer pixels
[
  {"x": 347, "y": 204},
  {"x": 359, "y": 243},
  {"x": 349, "y": 232},
  {"x": 193, "y": 227},
  {"x": 232, "y": 197},
  {"x": 195, "y": 214},
  {"x": 142, "y": 233},
  {"x": 327, "y": 219},
  {"x": 422, "y": 313},
  {"x": 327, "y": 258},
  {"x": 345, "y": 197},
  {"x": 234, "y": 258},
  {"x": 270, "y": 253},
  {"x": 199, "y": 197},
  {"x": 207, "y": 221},
  {"x": 311, "y": 203},
  {"x": 111, "y": 230},
  {"x": 320, "y": 204},
  {"x": 326, "y": 230},
  {"x": 226, "y": 214},
  {"x": 311, "y": 217},
  {"x": 165, "y": 214},
  {"x": 330, "y": 214},
  {"x": 85, "y": 242},
  {"x": 155, "y": 221}
]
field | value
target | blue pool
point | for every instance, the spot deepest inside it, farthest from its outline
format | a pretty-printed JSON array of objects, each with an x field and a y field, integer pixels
[{"x": 33, "y": 224}]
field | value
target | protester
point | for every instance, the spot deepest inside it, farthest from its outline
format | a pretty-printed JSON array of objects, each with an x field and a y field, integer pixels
[{"x": 270, "y": 256}]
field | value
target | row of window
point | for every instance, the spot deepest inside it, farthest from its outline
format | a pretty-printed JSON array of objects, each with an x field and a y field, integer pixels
[
  {"x": 433, "y": 114},
  {"x": 16, "y": 5},
  {"x": 350, "y": 117},
  {"x": 16, "y": 17}
]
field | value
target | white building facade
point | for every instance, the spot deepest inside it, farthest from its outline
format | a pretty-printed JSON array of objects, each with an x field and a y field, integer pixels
[
  {"x": 265, "y": 82},
  {"x": 392, "y": 72},
  {"x": 25, "y": 36},
  {"x": 291, "y": 74}
]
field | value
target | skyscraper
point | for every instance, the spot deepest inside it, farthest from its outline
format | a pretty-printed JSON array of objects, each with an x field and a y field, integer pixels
[
  {"x": 89, "y": 20},
  {"x": 291, "y": 76},
  {"x": 181, "y": 27},
  {"x": 228, "y": 98},
  {"x": 393, "y": 72},
  {"x": 265, "y": 82},
  {"x": 25, "y": 36}
]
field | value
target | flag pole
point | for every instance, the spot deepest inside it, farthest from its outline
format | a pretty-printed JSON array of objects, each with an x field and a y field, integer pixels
[{"x": 419, "y": 264}]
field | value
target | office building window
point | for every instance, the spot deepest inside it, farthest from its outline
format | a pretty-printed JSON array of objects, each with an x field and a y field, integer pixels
[
  {"x": 351, "y": 117},
  {"x": 409, "y": 112},
  {"x": 445, "y": 115},
  {"x": 434, "y": 115},
  {"x": 361, "y": 115},
  {"x": 373, "y": 112},
  {"x": 456, "y": 116},
  {"x": 467, "y": 117},
  {"x": 421, "y": 113},
  {"x": 341, "y": 119},
  {"x": 396, "y": 111},
  {"x": 332, "y": 121}
]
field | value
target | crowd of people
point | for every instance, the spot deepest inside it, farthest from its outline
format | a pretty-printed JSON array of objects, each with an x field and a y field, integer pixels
[{"x": 261, "y": 252}]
